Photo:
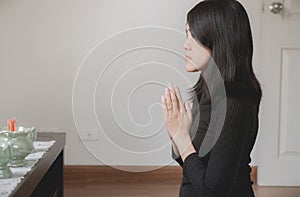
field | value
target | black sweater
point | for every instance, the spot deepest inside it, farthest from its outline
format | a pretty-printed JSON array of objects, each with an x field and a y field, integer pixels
[{"x": 224, "y": 171}]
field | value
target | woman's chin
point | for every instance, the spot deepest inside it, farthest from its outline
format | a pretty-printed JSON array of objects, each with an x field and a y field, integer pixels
[{"x": 190, "y": 68}]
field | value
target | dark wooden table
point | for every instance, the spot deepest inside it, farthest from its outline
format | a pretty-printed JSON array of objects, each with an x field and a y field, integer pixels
[{"x": 46, "y": 177}]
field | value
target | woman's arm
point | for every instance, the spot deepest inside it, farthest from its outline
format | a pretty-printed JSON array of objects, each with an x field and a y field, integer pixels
[
  {"x": 217, "y": 179},
  {"x": 219, "y": 176}
]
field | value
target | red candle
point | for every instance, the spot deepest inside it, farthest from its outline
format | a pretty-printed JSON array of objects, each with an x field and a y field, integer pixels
[{"x": 12, "y": 124}]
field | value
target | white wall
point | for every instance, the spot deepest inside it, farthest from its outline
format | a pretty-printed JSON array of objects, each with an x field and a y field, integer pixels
[{"x": 43, "y": 44}]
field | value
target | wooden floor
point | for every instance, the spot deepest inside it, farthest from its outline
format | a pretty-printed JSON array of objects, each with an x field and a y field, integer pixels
[{"x": 90, "y": 181}]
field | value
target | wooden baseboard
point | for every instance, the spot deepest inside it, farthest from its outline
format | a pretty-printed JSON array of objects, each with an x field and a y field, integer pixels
[{"x": 106, "y": 174}]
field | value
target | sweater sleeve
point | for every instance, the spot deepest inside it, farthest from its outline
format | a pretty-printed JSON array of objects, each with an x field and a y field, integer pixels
[{"x": 217, "y": 178}]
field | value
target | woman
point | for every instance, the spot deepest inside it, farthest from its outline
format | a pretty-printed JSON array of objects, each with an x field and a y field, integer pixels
[{"x": 217, "y": 31}]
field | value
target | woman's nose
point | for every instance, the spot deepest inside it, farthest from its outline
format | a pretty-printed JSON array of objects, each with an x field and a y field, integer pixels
[{"x": 186, "y": 46}]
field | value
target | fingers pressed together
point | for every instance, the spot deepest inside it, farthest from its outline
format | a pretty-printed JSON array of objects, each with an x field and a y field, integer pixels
[{"x": 172, "y": 101}]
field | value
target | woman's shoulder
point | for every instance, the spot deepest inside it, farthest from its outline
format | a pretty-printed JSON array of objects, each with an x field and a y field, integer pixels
[{"x": 242, "y": 99}]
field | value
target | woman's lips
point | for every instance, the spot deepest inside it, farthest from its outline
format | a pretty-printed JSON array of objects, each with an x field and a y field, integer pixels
[{"x": 187, "y": 57}]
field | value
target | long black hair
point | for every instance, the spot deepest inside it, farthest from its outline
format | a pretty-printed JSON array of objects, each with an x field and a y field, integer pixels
[{"x": 223, "y": 27}]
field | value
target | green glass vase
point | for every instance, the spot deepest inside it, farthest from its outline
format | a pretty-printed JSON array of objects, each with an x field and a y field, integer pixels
[{"x": 21, "y": 146}]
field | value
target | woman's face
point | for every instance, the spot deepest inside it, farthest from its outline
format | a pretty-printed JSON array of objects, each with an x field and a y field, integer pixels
[{"x": 197, "y": 56}]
